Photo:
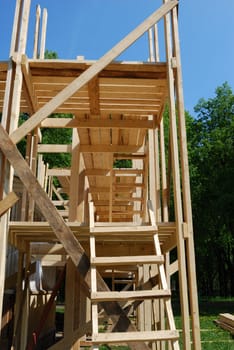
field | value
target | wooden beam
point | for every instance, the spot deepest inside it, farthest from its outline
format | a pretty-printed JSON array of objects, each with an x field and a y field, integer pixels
[
  {"x": 177, "y": 188},
  {"x": 43, "y": 33},
  {"x": 97, "y": 123},
  {"x": 36, "y": 32},
  {"x": 74, "y": 178},
  {"x": 62, "y": 231},
  {"x": 93, "y": 88},
  {"x": 29, "y": 87},
  {"x": 59, "y": 172},
  {"x": 8, "y": 202},
  {"x": 51, "y": 148},
  {"x": 191, "y": 263},
  {"x": 91, "y": 72}
]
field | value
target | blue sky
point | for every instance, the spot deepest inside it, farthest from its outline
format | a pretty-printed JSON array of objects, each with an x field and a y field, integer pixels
[{"x": 92, "y": 27}]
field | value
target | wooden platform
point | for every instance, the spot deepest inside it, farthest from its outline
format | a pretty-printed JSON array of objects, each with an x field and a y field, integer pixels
[
  {"x": 142, "y": 84},
  {"x": 21, "y": 233}
]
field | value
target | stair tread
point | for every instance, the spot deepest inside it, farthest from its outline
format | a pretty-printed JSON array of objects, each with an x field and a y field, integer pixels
[
  {"x": 126, "y": 337},
  {"x": 130, "y": 295},
  {"x": 130, "y": 260}
]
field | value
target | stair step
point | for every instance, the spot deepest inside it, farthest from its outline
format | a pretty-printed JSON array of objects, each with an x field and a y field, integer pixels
[
  {"x": 127, "y": 337},
  {"x": 129, "y": 295},
  {"x": 128, "y": 260}
]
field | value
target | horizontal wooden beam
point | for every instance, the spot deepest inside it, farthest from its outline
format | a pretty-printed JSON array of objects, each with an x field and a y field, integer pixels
[
  {"x": 96, "y": 123},
  {"x": 58, "y": 172},
  {"x": 128, "y": 337},
  {"x": 8, "y": 202},
  {"x": 51, "y": 148},
  {"x": 91, "y": 72}
]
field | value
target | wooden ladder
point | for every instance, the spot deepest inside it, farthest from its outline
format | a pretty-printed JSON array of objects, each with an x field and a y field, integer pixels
[{"x": 171, "y": 335}]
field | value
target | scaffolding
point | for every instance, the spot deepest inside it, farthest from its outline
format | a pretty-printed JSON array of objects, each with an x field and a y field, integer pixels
[{"x": 115, "y": 235}]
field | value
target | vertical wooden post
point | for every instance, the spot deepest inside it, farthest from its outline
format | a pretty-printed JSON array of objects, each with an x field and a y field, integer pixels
[
  {"x": 177, "y": 190},
  {"x": 43, "y": 34},
  {"x": 186, "y": 191},
  {"x": 151, "y": 45},
  {"x": 19, "y": 286},
  {"x": 140, "y": 309},
  {"x": 155, "y": 181},
  {"x": 156, "y": 43},
  {"x": 25, "y": 303},
  {"x": 111, "y": 193},
  {"x": 152, "y": 169},
  {"x": 33, "y": 163},
  {"x": 70, "y": 299},
  {"x": 36, "y": 32},
  {"x": 10, "y": 120},
  {"x": 74, "y": 180}
]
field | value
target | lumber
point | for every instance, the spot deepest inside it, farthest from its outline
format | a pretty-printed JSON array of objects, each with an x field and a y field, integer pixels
[
  {"x": 129, "y": 260},
  {"x": 227, "y": 318},
  {"x": 129, "y": 336},
  {"x": 226, "y": 321},
  {"x": 91, "y": 72},
  {"x": 52, "y": 148},
  {"x": 8, "y": 202},
  {"x": 36, "y": 32},
  {"x": 186, "y": 190},
  {"x": 61, "y": 230},
  {"x": 43, "y": 34},
  {"x": 96, "y": 123},
  {"x": 176, "y": 187},
  {"x": 129, "y": 295}
]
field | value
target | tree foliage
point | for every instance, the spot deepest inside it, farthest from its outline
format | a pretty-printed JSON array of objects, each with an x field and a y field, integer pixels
[{"x": 211, "y": 152}]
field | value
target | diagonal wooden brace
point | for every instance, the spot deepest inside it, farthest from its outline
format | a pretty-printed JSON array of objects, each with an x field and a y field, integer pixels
[
  {"x": 8, "y": 202},
  {"x": 63, "y": 233}
]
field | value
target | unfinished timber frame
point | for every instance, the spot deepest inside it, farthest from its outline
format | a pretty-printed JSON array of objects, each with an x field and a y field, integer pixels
[{"x": 115, "y": 237}]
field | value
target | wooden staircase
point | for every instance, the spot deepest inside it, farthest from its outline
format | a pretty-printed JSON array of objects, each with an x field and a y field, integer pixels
[{"x": 169, "y": 335}]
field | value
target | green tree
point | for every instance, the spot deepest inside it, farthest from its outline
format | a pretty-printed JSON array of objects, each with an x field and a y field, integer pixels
[
  {"x": 57, "y": 136},
  {"x": 211, "y": 152}
]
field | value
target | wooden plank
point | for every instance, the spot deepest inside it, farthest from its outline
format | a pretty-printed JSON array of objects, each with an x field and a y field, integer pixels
[
  {"x": 186, "y": 190},
  {"x": 51, "y": 148},
  {"x": 130, "y": 295},
  {"x": 74, "y": 179},
  {"x": 43, "y": 33},
  {"x": 97, "y": 123},
  {"x": 225, "y": 326},
  {"x": 93, "y": 88},
  {"x": 227, "y": 318},
  {"x": 61, "y": 230},
  {"x": 94, "y": 306},
  {"x": 177, "y": 188},
  {"x": 48, "y": 148},
  {"x": 36, "y": 32},
  {"x": 28, "y": 83},
  {"x": 129, "y": 337},
  {"x": 8, "y": 202},
  {"x": 124, "y": 228},
  {"x": 59, "y": 172},
  {"x": 91, "y": 72},
  {"x": 128, "y": 260}
]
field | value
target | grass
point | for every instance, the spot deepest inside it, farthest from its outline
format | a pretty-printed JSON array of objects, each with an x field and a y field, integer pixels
[{"x": 212, "y": 336}]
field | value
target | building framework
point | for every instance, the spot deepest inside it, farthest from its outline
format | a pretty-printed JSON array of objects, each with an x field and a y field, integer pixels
[{"x": 117, "y": 235}]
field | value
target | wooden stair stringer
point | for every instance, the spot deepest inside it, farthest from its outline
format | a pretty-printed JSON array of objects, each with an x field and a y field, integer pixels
[{"x": 170, "y": 335}]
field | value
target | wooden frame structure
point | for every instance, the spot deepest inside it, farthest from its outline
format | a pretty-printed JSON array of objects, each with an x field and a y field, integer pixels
[{"x": 97, "y": 221}]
